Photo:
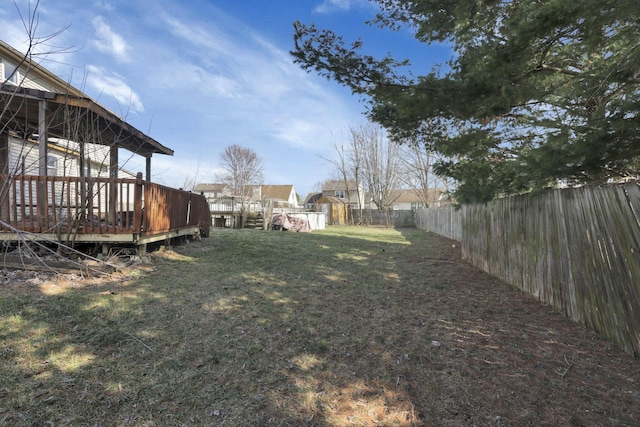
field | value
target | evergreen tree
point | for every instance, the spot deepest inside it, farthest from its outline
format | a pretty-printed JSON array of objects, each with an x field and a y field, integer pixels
[{"x": 536, "y": 92}]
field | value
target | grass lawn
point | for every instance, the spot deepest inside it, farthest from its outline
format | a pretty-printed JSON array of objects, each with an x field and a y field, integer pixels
[{"x": 345, "y": 326}]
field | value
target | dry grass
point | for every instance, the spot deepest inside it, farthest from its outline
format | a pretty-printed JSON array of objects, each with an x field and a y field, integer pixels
[{"x": 349, "y": 326}]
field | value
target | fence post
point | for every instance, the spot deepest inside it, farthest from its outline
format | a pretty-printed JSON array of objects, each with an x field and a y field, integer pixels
[{"x": 137, "y": 204}]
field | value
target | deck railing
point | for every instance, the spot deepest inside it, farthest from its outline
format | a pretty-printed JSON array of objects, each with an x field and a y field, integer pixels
[{"x": 73, "y": 205}]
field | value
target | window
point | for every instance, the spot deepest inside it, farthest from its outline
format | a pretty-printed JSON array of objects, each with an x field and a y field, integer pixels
[
  {"x": 8, "y": 73},
  {"x": 415, "y": 206},
  {"x": 52, "y": 165},
  {"x": 340, "y": 194},
  {"x": 87, "y": 167}
]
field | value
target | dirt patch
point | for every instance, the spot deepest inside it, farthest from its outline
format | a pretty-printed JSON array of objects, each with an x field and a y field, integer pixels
[
  {"x": 44, "y": 276},
  {"x": 500, "y": 357}
]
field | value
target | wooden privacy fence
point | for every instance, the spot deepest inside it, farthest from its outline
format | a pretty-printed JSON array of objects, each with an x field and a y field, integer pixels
[
  {"x": 388, "y": 218},
  {"x": 74, "y": 205},
  {"x": 445, "y": 221},
  {"x": 575, "y": 249}
]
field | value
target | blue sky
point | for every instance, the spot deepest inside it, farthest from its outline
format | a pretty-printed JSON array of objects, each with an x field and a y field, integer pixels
[{"x": 199, "y": 75}]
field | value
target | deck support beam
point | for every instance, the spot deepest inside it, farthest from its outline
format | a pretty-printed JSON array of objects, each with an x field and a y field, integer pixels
[
  {"x": 43, "y": 139},
  {"x": 148, "y": 168},
  {"x": 113, "y": 187},
  {"x": 4, "y": 170}
]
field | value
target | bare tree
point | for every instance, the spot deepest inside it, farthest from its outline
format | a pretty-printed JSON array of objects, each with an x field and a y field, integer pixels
[
  {"x": 370, "y": 163},
  {"x": 243, "y": 168},
  {"x": 379, "y": 162},
  {"x": 347, "y": 169},
  {"x": 417, "y": 160}
]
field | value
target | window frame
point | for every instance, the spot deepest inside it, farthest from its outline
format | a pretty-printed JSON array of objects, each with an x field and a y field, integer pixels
[
  {"x": 52, "y": 165},
  {"x": 5, "y": 66}
]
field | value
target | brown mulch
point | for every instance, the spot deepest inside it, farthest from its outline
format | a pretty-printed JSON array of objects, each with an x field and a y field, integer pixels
[{"x": 501, "y": 357}]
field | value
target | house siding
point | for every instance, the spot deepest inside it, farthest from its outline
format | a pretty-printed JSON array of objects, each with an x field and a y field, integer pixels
[
  {"x": 27, "y": 78},
  {"x": 67, "y": 155}
]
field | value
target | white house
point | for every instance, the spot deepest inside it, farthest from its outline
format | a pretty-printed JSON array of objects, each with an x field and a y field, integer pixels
[
  {"x": 282, "y": 195},
  {"x": 212, "y": 191},
  {"x": 220, "y": 196},
  {"x": 411, "y": 199}
]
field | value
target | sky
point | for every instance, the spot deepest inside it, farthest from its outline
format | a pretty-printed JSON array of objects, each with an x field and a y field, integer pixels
[{"x": 200, "y": 75}]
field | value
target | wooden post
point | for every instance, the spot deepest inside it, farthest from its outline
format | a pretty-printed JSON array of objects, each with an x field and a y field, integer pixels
[
  {"x": 4, "y": 154},
  {"x": 148, "y": 167},
  {"x": 4, "y": 171},
  {"x": 42, "y": 138},
  {"x": 138, "y": 213},
  {"x": 41, "y": 198},
  {"x": 137, "y": 204},
  {"x": 113, "y": 186},
  {"x": 84, "y": 165}
]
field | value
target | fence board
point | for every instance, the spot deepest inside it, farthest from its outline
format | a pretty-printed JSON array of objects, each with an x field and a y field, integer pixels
[
  {"x": 394, "y": 218},
  {"x": 444, "y": 221}
]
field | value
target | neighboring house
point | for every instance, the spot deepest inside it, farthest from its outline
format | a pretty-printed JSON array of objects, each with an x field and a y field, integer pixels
[
  {"x": 212, "y": 191},
  {"x": 220, "y": 199},
  {"x": 282, "y": 195},
  {"x": 59, "y": 173},
  {"x": 311, "y": 200},
  {"x": 350, "y": 193},
  {"x": 227, "y": 208},
  {"x": 410, "y": 200}
]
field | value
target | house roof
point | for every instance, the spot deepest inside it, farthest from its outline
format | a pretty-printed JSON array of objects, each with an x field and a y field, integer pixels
[
  {"x": 411, "y": 196},
  {"x": 276, "y": 192},
  {"x": 330, "y": 199},
  {"x": 338, "y": 185},
  {"x": 312, "y": 198},
  {"x": 66, "y": 105},
  {"x": 38, "y": 72},
  {"x": 210, "y": 188}
]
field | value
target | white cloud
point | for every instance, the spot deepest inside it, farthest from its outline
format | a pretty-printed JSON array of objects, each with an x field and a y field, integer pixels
[
  {"x": 108, "y": 41},
  {"x": 183, "y": 76},
  {"x": 238, "y": 74},
  {"x": 219, "y": 63},
  {"x": 329, "y": 6},
  {"x": 112, "y": 84},
  {"x": 209, "y": 39},
  {"x": 104, "y": 4}
]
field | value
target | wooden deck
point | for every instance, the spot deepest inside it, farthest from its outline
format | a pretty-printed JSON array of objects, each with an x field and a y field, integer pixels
[{"x": 100, "y": 210}]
